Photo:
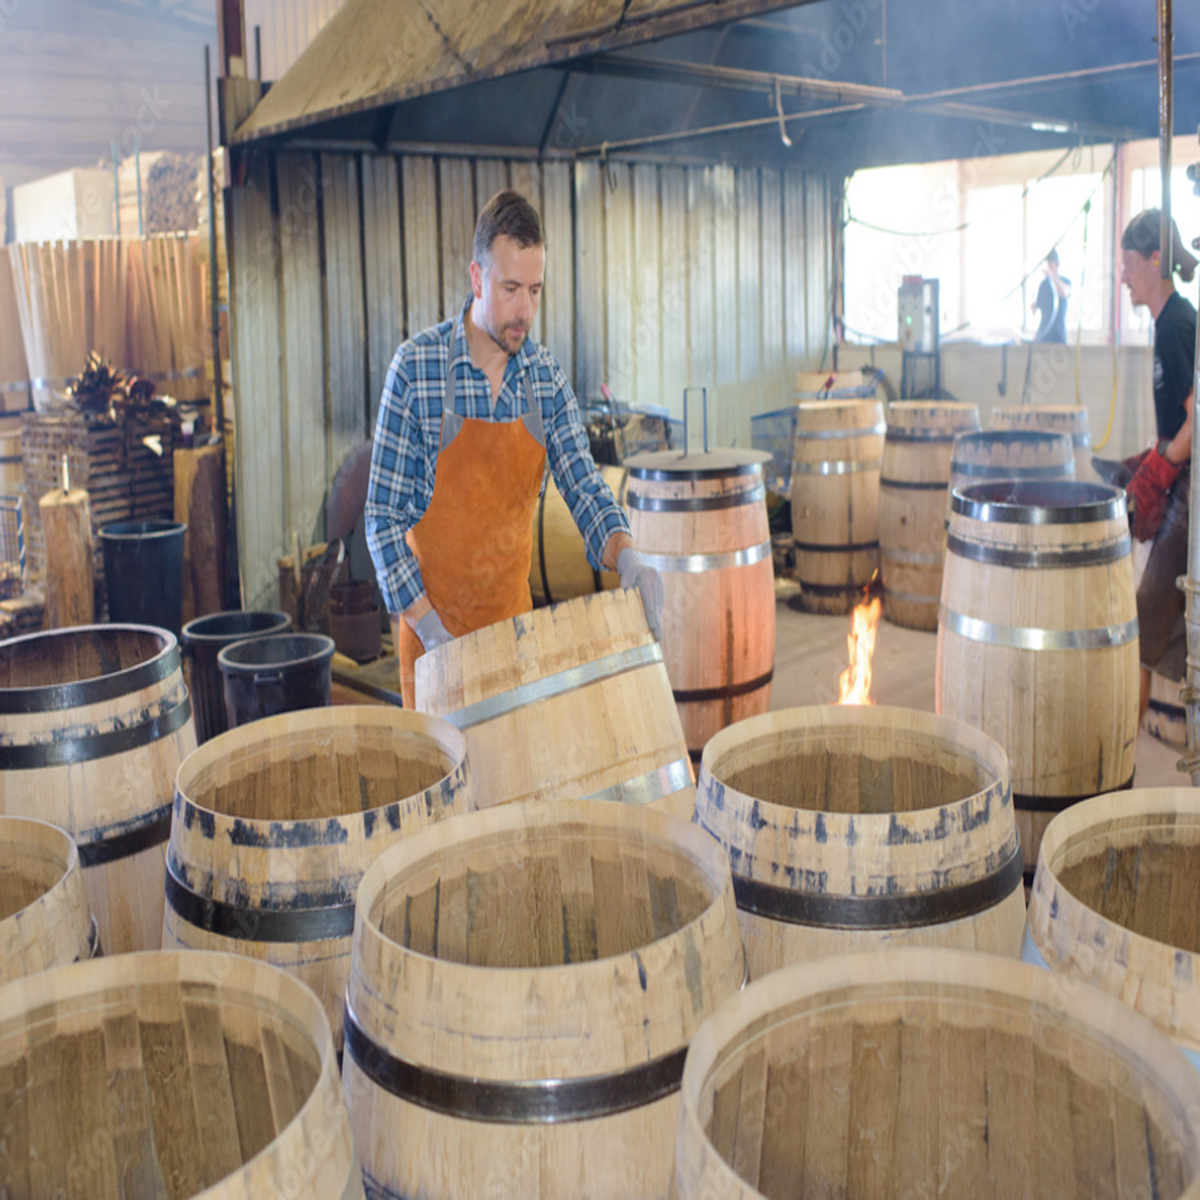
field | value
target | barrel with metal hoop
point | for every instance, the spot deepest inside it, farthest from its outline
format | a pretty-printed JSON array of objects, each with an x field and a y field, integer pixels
[
  {"x": 700, "y": 520},
  {"x": 849, "y": 828},
  {"x": 558, "y": 567},
  {"x": 44, "y": 916},
  {"x": 276, "y": 821},
  {"x": 1038, "y": 639},
  {"x": 1069, "y": 419},
  {"x": 523, "y": 989},
  {"x": 567, "y": 702},
  {"x": 1025, "y": 455},
  {"x": 838, "y": 456},
  {"x": 1116, "y": 904},
  {"x": 912, "y": 505},
  {"x": 94, "y": 723}
]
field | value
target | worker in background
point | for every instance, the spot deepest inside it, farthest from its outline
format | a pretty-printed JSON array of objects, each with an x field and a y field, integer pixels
[
  {"x": 1160, "y": 484},
  {"x": 471, "y": 410},
  {"x": 1051, "y": 302}
]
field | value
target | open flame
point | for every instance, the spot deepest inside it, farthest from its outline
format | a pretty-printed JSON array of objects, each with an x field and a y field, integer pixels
[{"x": 854, "y": 684}]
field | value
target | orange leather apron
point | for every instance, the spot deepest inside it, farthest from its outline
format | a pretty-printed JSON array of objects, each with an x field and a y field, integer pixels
[{"x": 474, "y": 542}]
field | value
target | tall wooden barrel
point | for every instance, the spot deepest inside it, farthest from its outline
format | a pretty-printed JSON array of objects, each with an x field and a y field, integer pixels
[
  {"x": 835, "y": 501},
  {"x": 524, "y": 986},
  {"x": 700, "y": 521},
  {"x": 570, "y": 702},
  {"x": 558, "y": 568},
  {"x": 1038, "y": 639},
  {"x": 1053, "y": 418},
  {"x": 276, "y": 822},
  {"x": 96, "y": 721},
  {"x": 1116, "y": 903},
  {"x": 1024, "y": 455},
  {"x": 44, "y": 916},
  {"x": 849, "y": 828},
  {"x": 912, "y": 505},
  {"x": 171, "y": 1075},
  {"x": 933, "y": 1073}
]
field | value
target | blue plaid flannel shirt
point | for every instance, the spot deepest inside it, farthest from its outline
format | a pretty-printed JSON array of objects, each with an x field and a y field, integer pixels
[{"x": 408, "y": 433}]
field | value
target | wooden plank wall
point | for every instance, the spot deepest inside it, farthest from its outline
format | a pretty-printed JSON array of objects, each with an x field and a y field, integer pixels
[{"x": 657, "y": 278}]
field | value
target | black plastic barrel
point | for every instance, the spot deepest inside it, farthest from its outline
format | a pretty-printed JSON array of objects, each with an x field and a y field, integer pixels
[
  {"x": 143, "y": 573},
  {"x": 271, "y": 675},
  {"x": 203, "y": 639}
]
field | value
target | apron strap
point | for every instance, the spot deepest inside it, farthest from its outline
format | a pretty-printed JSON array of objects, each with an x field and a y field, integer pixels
[{"x": 452, "y": 422}]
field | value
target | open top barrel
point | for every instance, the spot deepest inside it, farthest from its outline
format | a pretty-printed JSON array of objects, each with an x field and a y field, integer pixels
[
  {"x": 1069, "y": 419},
  {"x": 853, "y": 827},
  {"x": 933, "y": 1073},
  {"x": 1020, "y": 455},
  {"x": 94, "y": 723},
  {"x": 524, "y": 986},
  {"x": 1038, "y": 639}
]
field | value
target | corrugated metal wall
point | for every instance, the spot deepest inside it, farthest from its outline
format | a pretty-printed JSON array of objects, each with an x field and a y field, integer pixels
[
  {"x": 287, "y": 26},
  {"x": 657, "y": 278}
]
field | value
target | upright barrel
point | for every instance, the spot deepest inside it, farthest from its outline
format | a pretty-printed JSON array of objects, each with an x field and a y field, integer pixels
[
  {"x": 933, "y": 1073},
  {"x": 1069, "y": 419},
  {"x": 1021, "y": 455},
  {"x": 836, "y": 469},
  {"x": 912, "y": 505},
  {"x": 96, "y": 721},
  {"x": 524, "y": 986},
  {"x": 1116, "y": 904},
  {"x": 558, "y": 568},
  {"x": 276, "y": 822},
  {"x": 570, "y": 702},
  {"x": 700, "y": 520},
  {"x": 12, "y": 473},
  {"x": 44, "y": 916},
  {"x": 850, "y": 827},
  {"x": 1038, "y": 639},
  {"x": 203, "y": 640},
  {"x": 171, "y": 1075}
]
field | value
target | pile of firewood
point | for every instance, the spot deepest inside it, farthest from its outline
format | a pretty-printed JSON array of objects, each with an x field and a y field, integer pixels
[{"x": 169, "y": 203}]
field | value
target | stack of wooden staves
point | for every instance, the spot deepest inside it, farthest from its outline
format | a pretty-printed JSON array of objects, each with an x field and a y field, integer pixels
[
  {"x": 70, "y": 300},
  {"x": 124, "y": 478},
  {"x": 169, "y": 340}
]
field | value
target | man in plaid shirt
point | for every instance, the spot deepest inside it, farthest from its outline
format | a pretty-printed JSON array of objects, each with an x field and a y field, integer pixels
[{"x": 472, "y": 410}]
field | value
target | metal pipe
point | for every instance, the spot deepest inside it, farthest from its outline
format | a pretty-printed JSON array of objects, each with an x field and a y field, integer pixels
[
  {"x": 137, "y": 170},
  {"x": 1166, "y": 124},
  {"x": 214, "y": 287}
]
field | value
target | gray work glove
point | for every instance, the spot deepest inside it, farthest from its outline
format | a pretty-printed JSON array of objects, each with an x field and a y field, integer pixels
[
  {"x": 432, "y": 632},
  {"x": 635, "y": 574}
]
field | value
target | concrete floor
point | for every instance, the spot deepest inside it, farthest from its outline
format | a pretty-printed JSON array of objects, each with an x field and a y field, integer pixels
[{"x": 810, "y": 654}]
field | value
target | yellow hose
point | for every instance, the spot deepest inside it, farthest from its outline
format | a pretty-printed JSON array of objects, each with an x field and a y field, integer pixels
[{"x": 1112, "y": 410}]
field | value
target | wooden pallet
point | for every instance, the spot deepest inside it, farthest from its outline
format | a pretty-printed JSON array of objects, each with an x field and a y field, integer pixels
[{"x": 125, "y": 480}]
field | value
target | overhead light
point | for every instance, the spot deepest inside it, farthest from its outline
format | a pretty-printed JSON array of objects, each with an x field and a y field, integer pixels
[{"x": 1046, "y": 127}]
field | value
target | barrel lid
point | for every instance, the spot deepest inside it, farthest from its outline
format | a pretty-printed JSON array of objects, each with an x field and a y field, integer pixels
[
  {"x": 1039, "y": 502},
  {"x": 717, "y": 464}
]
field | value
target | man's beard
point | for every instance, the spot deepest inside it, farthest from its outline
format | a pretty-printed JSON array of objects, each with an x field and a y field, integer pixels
[{"x": 498, "y": 337}]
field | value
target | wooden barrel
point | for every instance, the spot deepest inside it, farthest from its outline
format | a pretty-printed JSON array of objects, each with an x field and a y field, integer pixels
[
  {"x": 276, "y": 821},
  {"x": 96, "y": 722},
  {"x": 44, "y": 916},
  {"x": 912, "y": 505},
  {"x": 1038, "y": 639},
  {"x": 1053, "y": 418},
  {"x": 524, "y": 986},
  {"x": 1023, "y": 455},
  {"x": 835, "y": 501},
  {"x": 1166, "y": 717},
  {"x": 12, "y": 473},
  {"x": 1116, "y": 903},
  {"x": 171, "y": 1075},
  {"x": 700, "y": 521},
  {"x": 852, "y": 827},
  {"x": 558, "y": 568},
  {"x": 933, "y": 1073},
  {"x": 570, "y": 702}
]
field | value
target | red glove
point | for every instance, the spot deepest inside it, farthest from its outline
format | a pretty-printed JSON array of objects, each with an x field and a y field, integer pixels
[{"x": 1148, "y": 490}]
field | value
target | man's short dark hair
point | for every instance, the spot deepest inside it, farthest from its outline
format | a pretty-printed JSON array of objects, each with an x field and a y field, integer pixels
[
  {"x": 510, "y": 214},
  {"x": 1052, "y": 257}
]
